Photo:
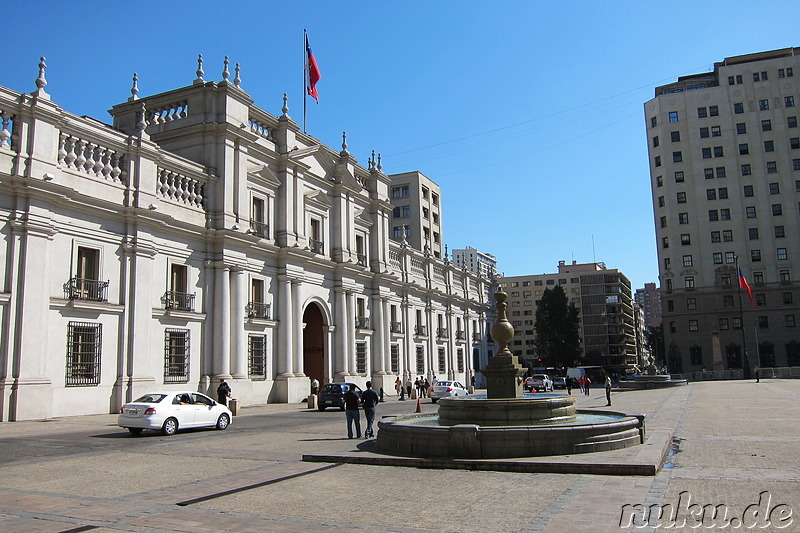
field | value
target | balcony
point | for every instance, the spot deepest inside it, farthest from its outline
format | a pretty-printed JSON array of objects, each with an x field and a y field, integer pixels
[
  {"x": 260, "y": 229},
  {"x": 397, "y": 327},
  {"x": 257, "y": 310},
  {"x": 318, "y": 247},
  {"x": 461, "y": 335},
  {"x": 420, "y": 330},
  {"x": 362, "y": 259},
  {"x": 476, "y": 337},
  {"x": 180, "y": 301},
  {"x": 86, "y": 289},
  {"x": 441, "y": 333},
  {"x": 362, "y": 322}
]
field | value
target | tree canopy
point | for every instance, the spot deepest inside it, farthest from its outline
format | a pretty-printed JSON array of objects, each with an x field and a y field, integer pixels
[{"x": 558, "y": 341}]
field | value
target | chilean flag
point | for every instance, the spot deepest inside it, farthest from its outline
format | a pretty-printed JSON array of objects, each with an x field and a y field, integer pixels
[
  {"x": 312, "y": 72},
  {"x": 746, "y": 286}
]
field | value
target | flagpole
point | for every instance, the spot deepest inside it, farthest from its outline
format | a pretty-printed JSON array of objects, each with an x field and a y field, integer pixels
[
  {"x": 305, "y": 75},
  {"x": 746, "y": 365}
]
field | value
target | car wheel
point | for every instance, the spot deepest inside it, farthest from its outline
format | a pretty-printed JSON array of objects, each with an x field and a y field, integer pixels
[
  {"x": 433, "y": 400},
  {"x": 223, "y": 421},
  {"x": 170, "y": 427},
  {"x": 321, "y": 407},
  {"x": 341, "y": 407},
  {"x": 135, "y": 431}
]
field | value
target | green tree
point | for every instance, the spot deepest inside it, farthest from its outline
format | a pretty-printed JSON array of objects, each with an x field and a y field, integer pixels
[
  {"x": 654, "y": 337},
  {"x": 558, "y": 341}
]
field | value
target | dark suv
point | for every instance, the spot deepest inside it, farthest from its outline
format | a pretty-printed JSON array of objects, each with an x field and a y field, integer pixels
[{"x": 332, "y": 395}]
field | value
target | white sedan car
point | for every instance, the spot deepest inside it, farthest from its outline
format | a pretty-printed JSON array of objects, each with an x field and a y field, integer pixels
[
  {"x": 169, "y": 411},
  {"x": 443, "y": 389}
]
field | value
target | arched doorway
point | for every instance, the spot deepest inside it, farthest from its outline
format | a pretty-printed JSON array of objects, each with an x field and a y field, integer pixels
[{"x": 314, "y": 344}]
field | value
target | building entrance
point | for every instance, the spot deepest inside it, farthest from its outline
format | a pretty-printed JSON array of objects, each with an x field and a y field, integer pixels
[{"x": 314, "y": 344}]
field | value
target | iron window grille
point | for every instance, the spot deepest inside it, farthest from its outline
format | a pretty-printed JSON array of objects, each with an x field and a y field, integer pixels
[
  {"x": 257, "y": 357},
  {"x": 395, "y": 358},
  {"x": 261, "y": 229},
  {"x": 420, "y": 330},
  {"x": 397, "y": 327},
  {"x": 362, "y": 322},
  {"x": 181, "y": 301},
  {"x": 460, "y": 359},
  {"x": 361, "y": 358},
  {"x": 362, "y": 259},
  {"x": 84, "y": 350},
  {"x": 420, "y": 360},
  {"x": 86, "y": 289},
  {"x": 318, "y": 247},
  {"x": 176, "y": 356},
  {"x": 441, "y": 333},
  {"x": 442, "y": 361}
]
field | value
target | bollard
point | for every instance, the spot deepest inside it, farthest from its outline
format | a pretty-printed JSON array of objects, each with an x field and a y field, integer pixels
[
  {"x": 233, "y": 405},
  {"x": 419, "y": 406},
  {"x": 312, "y": 401}
]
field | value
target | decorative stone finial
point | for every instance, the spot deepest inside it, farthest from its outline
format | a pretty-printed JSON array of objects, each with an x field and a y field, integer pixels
[
  {"x": 445, "y": 253},
  {"x": 199, "y": 70},
  {"x": 41, "y": 81},
  {"x": 372, "y": 161},
  {"x": 134, "y": 88},
  {"x": 237, "y": 80},
  {"x": 285, "y": 108},
  {"x": 380, "y": 166},
  {"x": 225, "y": 72},
  {"x": 502, "y": 331},
  {"x": 344, "y": 142}
]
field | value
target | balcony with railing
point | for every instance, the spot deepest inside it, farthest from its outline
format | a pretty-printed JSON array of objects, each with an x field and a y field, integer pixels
[
  {"x": 461, "y": 335},
  {"x": 397, "y": 327},
  {"x": 318, "y": 247},
  {"x": 441, "y": 333},
  {"x": 180, "y": 301},
  {"x": 259, "y": 229},
  {"x": 362, "y": 322},
  {"x": 362, "y": 259},
  {"x": 91, "y": 290},
  {"x": 476, "y": 337},
  {"x": 420, "y": 330},
  {"x": 257, "y": 310}
]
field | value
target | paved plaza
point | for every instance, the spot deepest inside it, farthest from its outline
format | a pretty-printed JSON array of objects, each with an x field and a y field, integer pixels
[{"x": 731, "y": 443}]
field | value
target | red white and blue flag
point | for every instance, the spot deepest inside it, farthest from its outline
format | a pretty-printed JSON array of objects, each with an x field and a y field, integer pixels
[
  {"x": 312, "y": 72},
  {"x": 746, "y": 286}
]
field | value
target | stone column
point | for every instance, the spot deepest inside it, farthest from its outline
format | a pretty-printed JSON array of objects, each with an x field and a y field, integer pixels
[
  {"x": 222, "y": 321},
  {"x": 341, "y": 368},
  {"x": 238, "y": 335},
  {"x": 350, "y": 324},
  {"x": 285, "y": 327},
  {"x": 378, "y": 365},
  {"x": 297, "y": 331}
]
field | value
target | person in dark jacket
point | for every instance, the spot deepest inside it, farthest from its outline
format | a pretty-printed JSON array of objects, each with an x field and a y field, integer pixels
[
  {"x": 351, "y": 403},
  {"x": 223, "y": 392},
  {"x": 370, "y": 400}
]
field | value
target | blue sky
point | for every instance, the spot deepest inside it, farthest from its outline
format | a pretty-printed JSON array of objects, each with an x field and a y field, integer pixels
[{"x": 527, "y": 114}]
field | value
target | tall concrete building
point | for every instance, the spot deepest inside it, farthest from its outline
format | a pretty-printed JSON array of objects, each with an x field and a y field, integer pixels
[
  {"x": 475, "y": 261},
  {"x": 417, "y": 212},
  {"x": 649, "y": 299},
  {"x": 724, "y": 151},
  {"x": 200, "y": 237},
  {"x": 603, "y": 298}
]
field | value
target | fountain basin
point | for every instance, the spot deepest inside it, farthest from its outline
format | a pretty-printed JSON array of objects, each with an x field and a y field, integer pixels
[
  {"x": 421, "y": 435},
  {"x": 531, "y": 409},
  {"x": 652, "y": 381}
]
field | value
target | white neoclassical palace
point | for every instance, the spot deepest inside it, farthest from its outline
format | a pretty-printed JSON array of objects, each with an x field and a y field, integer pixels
[{"x": 200, "y": 237}]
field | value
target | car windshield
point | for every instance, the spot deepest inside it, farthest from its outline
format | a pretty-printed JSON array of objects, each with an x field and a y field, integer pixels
[
  {"x": 443, "y": 384},
  {"x": 151, "y": 398}
]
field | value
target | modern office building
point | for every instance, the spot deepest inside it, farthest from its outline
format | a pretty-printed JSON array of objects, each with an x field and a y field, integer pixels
[
  {"x": 475, "y": 261},
  {"x": 649, "y": 299},
  {"x": 603, "y": 299},
  {"x": 200, "y": 237},
  {"x": 724, "y": 151},
  {"x": 417, "y": 212}
]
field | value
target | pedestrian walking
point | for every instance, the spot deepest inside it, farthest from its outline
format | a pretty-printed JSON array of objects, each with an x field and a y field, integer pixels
[
  {"x": 314, "y": 386},
  {"x": 398, "y": 387},
  {"x": 426, "y": 386},
  {"x": 608, "y": 390},
  {"x": 758, "y": 374},
  {"x": 586, "y": 384},
  {"x": 370, "y": 400},
  {"x": 581, "y": 382},
  {"x": 408, "y": 387},
  {"x": 569, "y": 385},
  {"x": 416, "y": 387},
  {"x": 223, "y": 392},
  {"x": 351, "y": 402}
]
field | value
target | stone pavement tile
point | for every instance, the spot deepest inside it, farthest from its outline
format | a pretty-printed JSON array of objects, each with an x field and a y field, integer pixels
[
  {"x": 729, "y": 453},
  {"x": 12, "y": 501},
  {"x": 37, "y": 525}
]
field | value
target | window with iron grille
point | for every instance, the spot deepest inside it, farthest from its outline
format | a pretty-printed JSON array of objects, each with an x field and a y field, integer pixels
[
  {"x": 84, "y": 342},
  {"x": 442, "y": 361},
  {"x": 176, "y": 355},
  {"x": 361, "y": 358},
  {"x": 420, "y": 359},
  {"x": 460, "y": 359},
  {"x": 257, "y": 357},
  {"x": 395, "y": 358}
]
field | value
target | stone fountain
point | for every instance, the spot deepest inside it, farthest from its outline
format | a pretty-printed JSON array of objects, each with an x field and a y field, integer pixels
[
  {"x": 507, "y": 422},
  {"x": 651, "y": 379}
]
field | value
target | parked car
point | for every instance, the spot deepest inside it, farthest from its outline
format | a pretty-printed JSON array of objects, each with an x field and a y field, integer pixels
[
  {"x": 528, "y": 384},
  {"x": 541, "y": 382},
  {"x": 445, "y": 389},
  {"x": 168, "y": 412},
  {"x": 559, "y": 382},
  {"x": 332, "y": 395}
]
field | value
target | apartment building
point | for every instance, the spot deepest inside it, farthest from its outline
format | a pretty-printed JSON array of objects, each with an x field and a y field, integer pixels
[
  {"x": 649, "y": 299},
  {"x": 417, "y": 212},
  {"x": 200, "y": 237},
  {"x": 724, "y": 149},
  {"x": 604, "y": 301},
  {"x": 475, "y": 261}
]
